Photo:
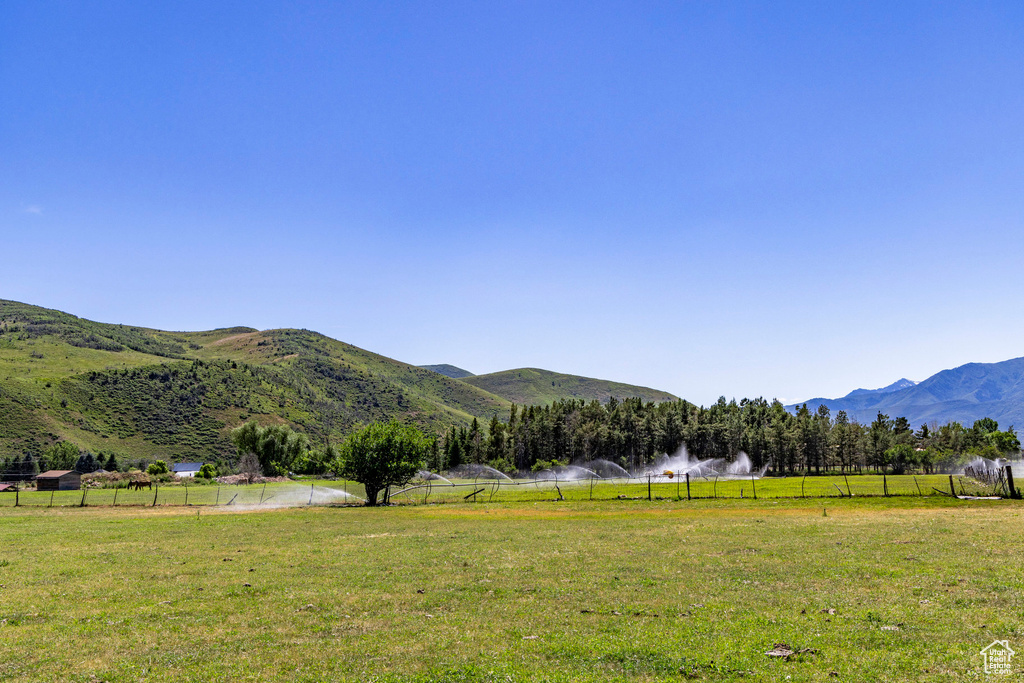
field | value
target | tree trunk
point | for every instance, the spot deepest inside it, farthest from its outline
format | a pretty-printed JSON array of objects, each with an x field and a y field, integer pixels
[{"x": 371, "y": 496}]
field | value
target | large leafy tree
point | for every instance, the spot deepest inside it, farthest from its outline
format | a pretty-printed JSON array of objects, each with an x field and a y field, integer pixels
[
  {"x": 275, "y": 446},
  {"x": 62, "y": 455},
  {"x": 383, "y": 454}
]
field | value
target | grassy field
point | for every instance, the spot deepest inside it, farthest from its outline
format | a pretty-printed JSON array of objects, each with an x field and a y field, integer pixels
[
  {"x": 521, "y": 491},
  {"x": 889, "y": 589}
]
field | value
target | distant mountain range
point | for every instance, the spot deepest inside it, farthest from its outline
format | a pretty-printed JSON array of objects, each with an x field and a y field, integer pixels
[
  {"x": 144, "y": 393},
  {"x": 963, "y": 394},
  {"x": 448, "y": 371}
]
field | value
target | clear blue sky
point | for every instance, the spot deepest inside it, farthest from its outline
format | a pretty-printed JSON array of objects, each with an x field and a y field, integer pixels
[{"x": 711, "y": 198}]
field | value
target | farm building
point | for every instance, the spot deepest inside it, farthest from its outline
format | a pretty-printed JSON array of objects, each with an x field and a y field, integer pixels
[
  {"x": 186, "y": 469},
  {"x": 59, "y": 480},
  {"x": 6, "y": 487}
]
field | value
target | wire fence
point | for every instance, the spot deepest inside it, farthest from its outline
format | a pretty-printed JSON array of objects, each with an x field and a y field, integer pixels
[{"x": 299, "y": 493}]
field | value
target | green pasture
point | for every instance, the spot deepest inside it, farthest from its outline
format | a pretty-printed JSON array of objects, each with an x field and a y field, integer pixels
[
  {"x": 874, "y": 588},
  {"x": 334, "y": 492}
]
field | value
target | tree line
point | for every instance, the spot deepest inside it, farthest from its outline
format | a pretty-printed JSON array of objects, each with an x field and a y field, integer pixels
[
  {"x": 634, "y": 434},
  {"x": 631, "y": 433}
]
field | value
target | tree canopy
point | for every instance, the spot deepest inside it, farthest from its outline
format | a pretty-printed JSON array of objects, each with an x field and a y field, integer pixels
[
  {"x": 383, "y": 454},
  {"x": 634, "y": 434},
  {"x": 276, "y": 447}
]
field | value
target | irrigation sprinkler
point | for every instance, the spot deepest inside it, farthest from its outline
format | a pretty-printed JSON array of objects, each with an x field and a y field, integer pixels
[
  {"x": 264, "y": 490},
  {"x": 591, "y": 488},
  {"x": 714, "y": 489},
  {"x": 918, "y": 487}
]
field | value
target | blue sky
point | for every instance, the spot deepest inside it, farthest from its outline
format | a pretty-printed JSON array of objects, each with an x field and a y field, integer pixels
[{"x": 742, "y": 199}]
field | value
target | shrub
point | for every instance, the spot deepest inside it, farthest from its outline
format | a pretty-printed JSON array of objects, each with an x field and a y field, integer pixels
[{"x": 159, "y": 467}]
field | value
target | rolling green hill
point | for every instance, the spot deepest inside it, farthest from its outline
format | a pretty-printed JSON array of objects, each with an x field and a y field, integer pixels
[
  {"x": 535, "y": 386},
  {"x": 143, "y": 393}
]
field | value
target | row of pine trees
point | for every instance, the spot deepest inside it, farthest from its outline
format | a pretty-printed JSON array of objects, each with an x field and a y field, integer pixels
[{"x": 634, "y": 434}]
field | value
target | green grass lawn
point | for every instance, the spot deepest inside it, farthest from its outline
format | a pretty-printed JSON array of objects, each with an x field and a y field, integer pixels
[{"x": 880, "y": 589}]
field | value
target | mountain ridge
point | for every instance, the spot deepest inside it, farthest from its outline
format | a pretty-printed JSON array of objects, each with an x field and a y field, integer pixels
[
  {"x": 448, "y": 370},
  {"x": 538, "y": 386},
  {"x": 964, "y": 394}
]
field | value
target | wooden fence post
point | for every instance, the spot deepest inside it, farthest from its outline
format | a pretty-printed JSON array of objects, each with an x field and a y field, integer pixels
[
  {"x": 952, "y": 489},
  {"x": 753, "y": 485},
  {"x": 1009, "y": 483},
  {"x": 885, "y": 485},
  {"x": 156, "y": 492},
  {"x": 648, "y": 486},
  {"x": 687, "y": 486}
]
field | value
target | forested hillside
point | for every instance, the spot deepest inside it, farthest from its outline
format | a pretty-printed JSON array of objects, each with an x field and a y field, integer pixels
[{"x": 143, "y": 393}]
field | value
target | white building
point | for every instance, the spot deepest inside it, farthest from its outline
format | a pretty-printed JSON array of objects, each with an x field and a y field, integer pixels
[{"x": 186, "y": 469}]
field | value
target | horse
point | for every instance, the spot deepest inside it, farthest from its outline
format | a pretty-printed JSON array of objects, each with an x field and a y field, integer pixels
[{"x": 139, "y": 485}]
